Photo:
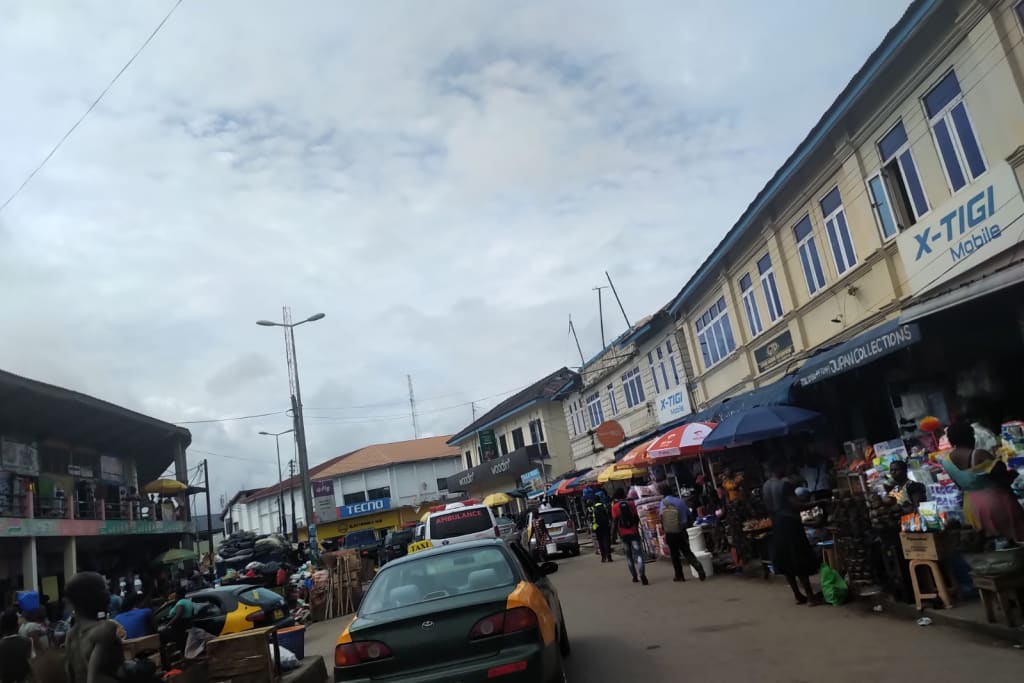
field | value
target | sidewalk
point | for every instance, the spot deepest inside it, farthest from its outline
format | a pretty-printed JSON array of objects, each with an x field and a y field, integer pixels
[{"x": 968, "y": 616}]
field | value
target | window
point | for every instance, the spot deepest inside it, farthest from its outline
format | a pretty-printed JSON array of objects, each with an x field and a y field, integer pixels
[
  {"x": 613, "y": 404},
  {"x": 664, "y": 370},
  {"x": 953, "y": 132},
  {"x": 378, "y": 493},
  {"x": 503, "y": 444},
  {"x": 714, "y": 332},
  {"x": 517, "y": 438},
  {"x": 536, "y": 431},
  {"x": 838, "y": 231},
  {"x": 750, "y": 305},
  {"x": 770, "y": 287},
  {"x": 442, "y": 483},
  {"x": 633, "y": 387},
  {"x": 576, "y": 419},
  {"x": 358, "y": 497},
  {"x": 807, "y": 247},
  {"x": 594, "y": 409},
  {"x": 897, "y": 194},
  {"x": 469, "y": 460}
]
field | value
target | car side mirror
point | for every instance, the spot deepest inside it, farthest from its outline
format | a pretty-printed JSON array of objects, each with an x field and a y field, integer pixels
[{"x": 548, "y": 568}]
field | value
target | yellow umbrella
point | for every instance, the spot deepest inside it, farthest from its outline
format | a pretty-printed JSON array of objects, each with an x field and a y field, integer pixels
[
  {"x": 496, "y": 499},
  {"x": 612, "y": 474},
  {"x": 424, "y": 517},
  {"x": 165, "y": 487}
]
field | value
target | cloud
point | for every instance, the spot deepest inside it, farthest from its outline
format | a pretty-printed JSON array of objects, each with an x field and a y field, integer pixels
[{"x": 446, "y": 185}]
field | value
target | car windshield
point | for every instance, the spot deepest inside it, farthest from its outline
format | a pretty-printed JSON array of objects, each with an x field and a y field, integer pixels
[
  {"x": 555, "y": 517},
  {"x": 502, "y": 521},
  {"x": 437, "y": 576},
  {"x": 399, "y": 536},
  {"x": 459, "y": 523}
]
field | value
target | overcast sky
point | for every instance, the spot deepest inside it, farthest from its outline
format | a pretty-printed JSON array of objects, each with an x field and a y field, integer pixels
[{"x": 447, "y": 181}]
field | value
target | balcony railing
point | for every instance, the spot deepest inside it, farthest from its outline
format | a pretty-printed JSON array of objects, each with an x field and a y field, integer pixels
[{"x": 24, "y": 506}]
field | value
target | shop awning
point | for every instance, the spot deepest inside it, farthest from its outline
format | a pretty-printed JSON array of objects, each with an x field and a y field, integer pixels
[
  {"x": 863, "y": 349},
  {"x": 975, "y": 288}
]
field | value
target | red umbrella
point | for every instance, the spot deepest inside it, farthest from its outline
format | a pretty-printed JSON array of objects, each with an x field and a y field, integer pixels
[
  {"x": 685, "y": 440},
  {"x": 635, "y": 458}
]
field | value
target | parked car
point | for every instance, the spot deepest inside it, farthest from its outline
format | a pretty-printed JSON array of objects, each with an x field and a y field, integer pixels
[
  {"x": 560, "y": 528},
  {"x": 232, "y": 609},
  {"x": 396, "y": 543},
  {"x": 365, "y": 541},
  {"x": 471, "y": 611},
  {"x": 459, "y": 523},
  {"x": 506, "y": 528}
]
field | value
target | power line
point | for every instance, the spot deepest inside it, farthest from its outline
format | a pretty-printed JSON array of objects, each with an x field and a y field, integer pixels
[
  {"x": 229, "y": 457},
  {"x": 92, "y": 106},
  {"x": 229, "y": 419}
]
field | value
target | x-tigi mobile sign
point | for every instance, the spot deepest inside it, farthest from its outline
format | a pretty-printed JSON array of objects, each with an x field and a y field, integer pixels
[{"x": 977, "y": 223}]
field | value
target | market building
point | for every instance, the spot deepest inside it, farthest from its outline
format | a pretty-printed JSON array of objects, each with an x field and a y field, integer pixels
[
  {"x": 378, "y": 487},
  {"x": 520, "y": 443},
  {"x": 70, "y": 468},
  {"x": 903, "y": 201},
  {"x": 637, "y": 382}
]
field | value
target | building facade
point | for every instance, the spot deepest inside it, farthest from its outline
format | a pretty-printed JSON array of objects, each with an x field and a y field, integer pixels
[
  {"x": 525, "y": 434},
  {"x": 639, "y": 381},
  {"x": 71, "y": 469},
  {"x": 908, "y": 187}
]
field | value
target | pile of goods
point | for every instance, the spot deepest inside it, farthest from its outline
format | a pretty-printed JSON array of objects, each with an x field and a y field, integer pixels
[
  {"x": 249, "y": 558},
  {"x": 753, "y": 526},
  {"x": 884, "y": 512},
  {"x": 851, "y": 521}
]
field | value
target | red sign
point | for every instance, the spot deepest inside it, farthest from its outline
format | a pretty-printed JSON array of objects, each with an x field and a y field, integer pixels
[{"x": 610, "y": 434}]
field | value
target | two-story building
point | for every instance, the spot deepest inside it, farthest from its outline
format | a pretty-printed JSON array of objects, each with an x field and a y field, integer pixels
[
  {"x": 638, "y": 381},
  {"x": 881, "y": 263},
  {"x": 380, "y": 486},
  {"x": 71, "y": 467},
  {"x": 520, "y": 443}
]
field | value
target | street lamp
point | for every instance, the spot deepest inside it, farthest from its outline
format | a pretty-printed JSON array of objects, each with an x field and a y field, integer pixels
[
  {"x": 300, "y": 425},
  {"x": 280, "y": 479}
]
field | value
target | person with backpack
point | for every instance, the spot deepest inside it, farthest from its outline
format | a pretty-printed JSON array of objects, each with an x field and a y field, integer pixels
[
  {"x": 602, "y": 526},
  {"x": 675, "y": 518},
  {"x": 627, "y": 522}
]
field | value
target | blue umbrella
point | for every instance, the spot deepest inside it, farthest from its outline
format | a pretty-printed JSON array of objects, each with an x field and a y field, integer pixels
[{"x": 757, "y": 424}]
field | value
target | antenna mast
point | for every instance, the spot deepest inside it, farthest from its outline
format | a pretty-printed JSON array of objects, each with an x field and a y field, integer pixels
[
  {"x": 412, "y": 407},
  {"x": 600, "y": 312},
  {"x": 617, "y": 299},
  {"x": 576, "y": 337}
]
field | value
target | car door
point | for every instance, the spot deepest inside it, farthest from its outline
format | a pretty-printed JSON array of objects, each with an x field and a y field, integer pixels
[{"x": 532, "y": 572}]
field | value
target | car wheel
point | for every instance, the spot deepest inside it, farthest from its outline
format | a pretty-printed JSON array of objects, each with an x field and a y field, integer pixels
[
  {"x": 564, "y": 644},
  {"x": 559, "y": 676}
]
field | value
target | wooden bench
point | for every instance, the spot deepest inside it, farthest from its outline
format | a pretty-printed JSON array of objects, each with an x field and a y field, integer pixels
[{"x": 1005, "y": 591}]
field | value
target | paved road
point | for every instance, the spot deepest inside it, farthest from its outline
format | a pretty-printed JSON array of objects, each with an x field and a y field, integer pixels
[{"x": 741, "y": 629}]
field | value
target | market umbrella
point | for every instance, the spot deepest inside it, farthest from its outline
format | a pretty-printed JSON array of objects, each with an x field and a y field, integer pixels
[
  {"x": 425, "y": 516},
  {"x": 497, "y": 499},
  {"x": 684, "y": 440},
  {"x": 635, "y": 458},
  {"x": 578, "y": 484},
  {"x": 614, "y": 473},
  {"x": 165, "y": 487},
  {"x": 175, "y": 555},
  {"x": 757, "y": 424}
]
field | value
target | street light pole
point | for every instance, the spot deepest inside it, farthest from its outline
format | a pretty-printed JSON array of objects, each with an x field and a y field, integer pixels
[
  {"x": 280, "y": 477},
  {"x": 300, "y": 425}
]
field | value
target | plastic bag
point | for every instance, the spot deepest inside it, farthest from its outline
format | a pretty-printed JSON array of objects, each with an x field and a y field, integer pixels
[
  {"x": 833, "y": 587},
  {"x": 288, "y": 659}
]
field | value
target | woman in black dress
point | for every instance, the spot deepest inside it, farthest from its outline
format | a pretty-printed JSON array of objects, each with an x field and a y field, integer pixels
[{"x": 793, "y": 556}]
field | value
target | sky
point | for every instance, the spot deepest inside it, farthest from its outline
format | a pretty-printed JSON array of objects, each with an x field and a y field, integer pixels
[{"x": 447, "y": 185}]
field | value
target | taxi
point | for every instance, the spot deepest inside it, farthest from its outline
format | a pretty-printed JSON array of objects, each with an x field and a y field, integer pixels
[
  {"x": 232, "y": 609},
  {"x": 466, "y": 612}
]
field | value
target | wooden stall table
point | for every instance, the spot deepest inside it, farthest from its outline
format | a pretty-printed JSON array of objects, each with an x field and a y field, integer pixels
[{"x": 1005, "y": 591}]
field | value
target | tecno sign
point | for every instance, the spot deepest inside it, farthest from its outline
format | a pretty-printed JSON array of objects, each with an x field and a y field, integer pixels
[{"x": 977, "y": 223}]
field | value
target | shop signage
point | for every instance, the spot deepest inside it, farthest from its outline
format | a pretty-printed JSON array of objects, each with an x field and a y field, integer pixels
[
  {"x": 532, "y": 479},
  {"x": 774, "y": 352},
  {"x": 610, "y": 433},
  {"x": 20, "y": 458},
  {"x": 977, "y": 223},
  {"x": 673, "y": 406},
  {"x": 91, "y": 527},
  {"x": 111, "y": 469},
  {"x": 366, "y": 508},
  {"x": 488, "y": 444},
  {"x": 512, "y": 465},
  {"x": 859, "y": 351},
  {"x": 324, "y": 503}
]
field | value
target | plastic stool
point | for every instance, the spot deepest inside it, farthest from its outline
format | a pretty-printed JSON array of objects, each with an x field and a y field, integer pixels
[
  {"x": 828, "y": 554},
  {"x": 941, "y": 587}
]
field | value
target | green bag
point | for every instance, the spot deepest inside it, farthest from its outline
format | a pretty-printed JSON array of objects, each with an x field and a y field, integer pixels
[{"x": 833, "y": 587}]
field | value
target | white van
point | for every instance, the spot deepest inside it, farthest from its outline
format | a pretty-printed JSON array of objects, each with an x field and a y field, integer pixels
[{"x": 460, "y": 522}]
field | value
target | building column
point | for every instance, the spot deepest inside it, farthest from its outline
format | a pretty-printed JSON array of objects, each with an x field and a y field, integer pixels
[
  {"x": 30, "y": 565},
  {"x": 70, "y": 557}
]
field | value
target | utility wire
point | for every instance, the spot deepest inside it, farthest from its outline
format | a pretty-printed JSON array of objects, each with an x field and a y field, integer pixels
[
  {"x": 92, "y": 106},
  {"x": 229, "y": 419}
]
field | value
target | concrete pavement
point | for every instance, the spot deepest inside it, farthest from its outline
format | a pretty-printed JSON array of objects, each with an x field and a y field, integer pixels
[{"x": 730, "y": 628}]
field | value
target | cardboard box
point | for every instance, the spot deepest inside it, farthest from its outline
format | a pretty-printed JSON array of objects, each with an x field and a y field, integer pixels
[{"x": 926, "y": 546}]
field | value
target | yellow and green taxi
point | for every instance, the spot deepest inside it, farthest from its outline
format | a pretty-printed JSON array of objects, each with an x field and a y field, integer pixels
[{"x": 461, "y": 613}]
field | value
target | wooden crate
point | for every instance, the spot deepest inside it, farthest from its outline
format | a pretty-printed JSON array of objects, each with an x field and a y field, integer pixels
[
  {"x": 926, "y": 546},
  {"x": 241, "y": 657}
]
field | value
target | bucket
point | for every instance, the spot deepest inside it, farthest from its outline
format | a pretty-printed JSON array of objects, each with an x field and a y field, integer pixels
[
  {"x": 293, "y": 638},
  {"x": 705, "y": 561},
  {"x": 697, "y": 544},
  {"x": 551, "y": 548},
  {"x": 28, "y": 600}
]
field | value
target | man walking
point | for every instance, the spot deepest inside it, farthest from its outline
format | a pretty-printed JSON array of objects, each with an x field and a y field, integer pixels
[
  {"x": 627, "y": 523},
  {"x": 602, "y": 526},
  {"x": 675, "y": 518}
]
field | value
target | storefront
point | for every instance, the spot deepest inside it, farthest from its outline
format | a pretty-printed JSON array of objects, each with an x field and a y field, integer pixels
[
  {"x": 500, "y": 475},
  {"x": 372, "y": 514}
]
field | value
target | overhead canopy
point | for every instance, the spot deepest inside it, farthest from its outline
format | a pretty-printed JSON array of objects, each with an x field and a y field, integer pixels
[
  {"x": 859, "y": 351},
  {"x": 685, "y": 440},
  {"x": 760, "y": 423}
]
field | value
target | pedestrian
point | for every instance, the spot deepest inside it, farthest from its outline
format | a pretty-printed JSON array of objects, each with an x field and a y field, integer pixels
[
  {"x": 15, "y": 651},
  {"x": 792, "y": 554},
  {"x": 675, "y": 519},
  {"x": 181, "y": 616},
  {"x": 602, "y": 526},
  {"x": 626, "y": 522},
  {"x": 34, "y": 629},
  {"x": 541, "y": 536},
  {"x": 94, "y": 650}
]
